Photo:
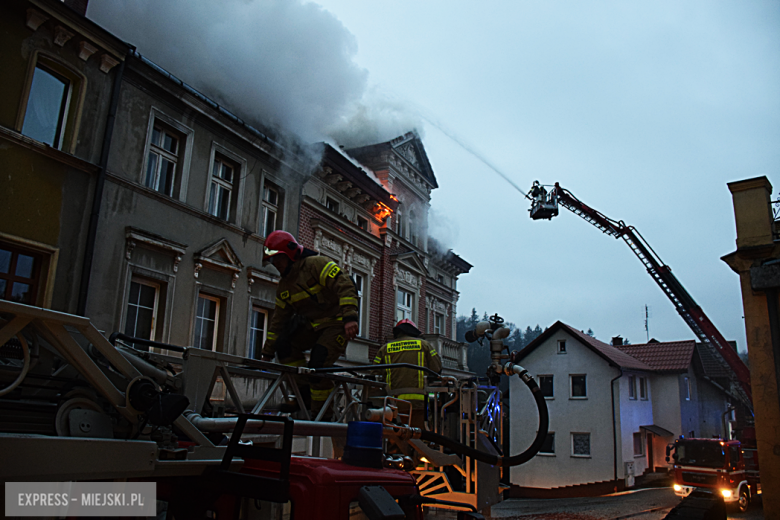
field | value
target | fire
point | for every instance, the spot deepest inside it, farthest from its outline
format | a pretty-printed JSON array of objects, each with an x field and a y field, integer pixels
[
  {"x": 382, "y": 211},
  {"x": 394, "y": 197}
]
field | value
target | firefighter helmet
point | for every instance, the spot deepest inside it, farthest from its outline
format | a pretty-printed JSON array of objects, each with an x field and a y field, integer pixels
[
  {"x": 282, "y": 243},
  {"x": 410, "y": 322},
  {"x": 407, "y": 327}
]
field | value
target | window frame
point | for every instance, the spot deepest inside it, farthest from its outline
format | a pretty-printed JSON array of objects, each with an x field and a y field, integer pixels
[
  {"x": 157, "y": 286},
  {"x": 217, "y": 329},
  {"x": 71, "y": 116},
  {"x": 561, "y": 346},
  {"x": 580, "y": 455},
  {"x": 438, "y": 323},
  {"x": 552, "y": 385},
  {"x": 362, "y": 223},
  {"x": 641, "y": 438},
  {"x": 332, "y": 204},
  {"x": 632, "y": 387},
  {"x": 270, "y": 207},
  {"x": 571, "y": 386},
  {"x": 11, "y": 278},
  {"x": 184, "y": 153},
  {"x": 398, "y": 306},
  {"x": 550, "y": 436},
  {"x": 643, "y": 396},
  {"x": 687, "y": 388},
  {"x": 254, "y": 308},
  {"x": 361, "y": 292}
]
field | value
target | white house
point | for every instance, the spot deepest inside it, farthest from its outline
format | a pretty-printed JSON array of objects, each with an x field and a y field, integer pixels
[{"x": 613, "y": 410}]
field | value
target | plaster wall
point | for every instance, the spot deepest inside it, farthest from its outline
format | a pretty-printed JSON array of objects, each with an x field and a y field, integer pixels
[{"x": 592, "y": 415}]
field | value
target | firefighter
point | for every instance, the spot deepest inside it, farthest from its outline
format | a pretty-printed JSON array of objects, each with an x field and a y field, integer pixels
[
  {"x": 538, "y": 192},
  {"x": 408, "y": 383},
  {"x": 316, "y": 309}
]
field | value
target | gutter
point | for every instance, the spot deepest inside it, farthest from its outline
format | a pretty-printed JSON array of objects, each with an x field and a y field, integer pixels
[
  {"x": 94, "y": 217},
  {"x": 614, "y": 426}
]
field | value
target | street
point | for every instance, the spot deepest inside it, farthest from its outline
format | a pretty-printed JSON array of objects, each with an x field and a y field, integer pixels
[{"x": 641, "y": 504}]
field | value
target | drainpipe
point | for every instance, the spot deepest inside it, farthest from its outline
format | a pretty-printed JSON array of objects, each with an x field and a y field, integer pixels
[
  {"x": 614, "y": 426},
  {"x": 94, "y": 217}
]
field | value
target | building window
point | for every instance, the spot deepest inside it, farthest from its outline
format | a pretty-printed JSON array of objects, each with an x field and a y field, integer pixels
[
  {"x": 206, "y": 322},
  {"x": 579, "y": 388},
  {"x": 546, "y": 386},
  {"x": 399, "y": 223},
  {"x": 548, "y": 446},
  {"x": 687, "y": 389},
  {"x": 580, "y": 444},
  {"x": 47, "y": 107},
  {"x": 221, "y": 191},
  {"x": 271, "y": 202},
  {"x": 359, "y": 281},
  {"x": 632, "y": 387},
  {"x": 404, "y": 305},
  {"x": 639, "y": 444},
  {"x": 438, "y": 323},
  {"x": 257, "y": 327},
  {"x": 643, "y": 388},
  {"x": 332, "y": 205},
  {"x": 142, "y": 310},
  {"x": 19, "y": 274},
  {"x": 163, "y": 158},
  {"x": 561, "y": 346},
  {"x": 362, "y": 223}
]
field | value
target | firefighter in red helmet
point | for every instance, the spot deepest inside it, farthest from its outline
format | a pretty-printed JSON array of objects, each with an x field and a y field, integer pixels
[
  {"x": 316, "y": 308},
  {"x": 408, "y": 383}
]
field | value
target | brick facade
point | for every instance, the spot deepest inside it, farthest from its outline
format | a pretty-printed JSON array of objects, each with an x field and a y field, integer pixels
[{"x": 352, "y": 215}]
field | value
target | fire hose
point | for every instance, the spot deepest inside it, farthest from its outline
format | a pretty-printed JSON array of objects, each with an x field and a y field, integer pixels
[
  {"x": 495, "y": 460},
  {"x": 226, "y": 425}
]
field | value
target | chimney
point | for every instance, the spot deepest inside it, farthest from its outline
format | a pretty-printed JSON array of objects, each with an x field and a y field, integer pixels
[{"x": 617, "y": 341}]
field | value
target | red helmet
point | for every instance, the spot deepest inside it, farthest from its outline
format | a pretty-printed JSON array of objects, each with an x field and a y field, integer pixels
[
  {"x": 282, "y": 242},
  {"x": 410, "y": 322}
]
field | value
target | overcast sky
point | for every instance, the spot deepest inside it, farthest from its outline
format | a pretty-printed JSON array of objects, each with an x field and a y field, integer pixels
[{"x": 643, "y": 110}]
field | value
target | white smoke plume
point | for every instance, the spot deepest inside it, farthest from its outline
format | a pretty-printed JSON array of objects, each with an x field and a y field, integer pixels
[{"x": 275, "y": 63}]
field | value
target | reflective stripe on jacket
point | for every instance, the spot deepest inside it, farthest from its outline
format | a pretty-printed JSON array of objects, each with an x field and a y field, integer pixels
[
  {"x": 316, "y": 289},
  {"x": 414, "y": 351}
]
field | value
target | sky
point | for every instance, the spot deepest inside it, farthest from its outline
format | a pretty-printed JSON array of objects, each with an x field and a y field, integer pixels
[{"x": 644, "y": 110}]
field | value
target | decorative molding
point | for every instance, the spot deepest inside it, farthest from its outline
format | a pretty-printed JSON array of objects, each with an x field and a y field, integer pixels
[
  {"x": 107, "y": 62},
  {"x": 258, "y": 274},
  {"x": 220, "y": 256},
  {"x": 86, "y": 50},
  {"x": 35, "y": 19},
  {"x": 135, "y": 236},
  {"x": 62, "y": 35}
]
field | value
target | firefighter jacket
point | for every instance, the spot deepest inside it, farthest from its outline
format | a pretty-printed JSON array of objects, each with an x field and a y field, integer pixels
[
  {"x": 415, "y": 351},
  {"x": 318, "y": 292}
]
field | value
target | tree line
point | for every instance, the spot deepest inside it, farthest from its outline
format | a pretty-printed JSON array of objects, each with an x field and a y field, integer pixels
[{"x": 478, "y": 356}]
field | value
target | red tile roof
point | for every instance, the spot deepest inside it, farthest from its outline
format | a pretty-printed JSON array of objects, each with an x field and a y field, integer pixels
[
  {"x": 613, "y": 354},
  {"x": 672, "y": 356}
]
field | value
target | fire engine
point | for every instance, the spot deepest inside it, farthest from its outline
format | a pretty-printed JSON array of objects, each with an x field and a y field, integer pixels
[
  {"x": 727, "y": 468},
  {"x": 76, "y": 406},
  {"x": 725, "y": 465}
]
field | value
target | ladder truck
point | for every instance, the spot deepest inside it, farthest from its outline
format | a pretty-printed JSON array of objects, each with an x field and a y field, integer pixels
[{"x": 742, "y": 478}]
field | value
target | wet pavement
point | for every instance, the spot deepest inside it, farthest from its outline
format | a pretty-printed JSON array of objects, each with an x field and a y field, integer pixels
[{"x": 641, "y": 504}]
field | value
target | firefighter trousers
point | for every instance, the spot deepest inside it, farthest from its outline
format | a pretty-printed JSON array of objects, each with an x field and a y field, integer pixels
[{"x": 327, "y": 344}]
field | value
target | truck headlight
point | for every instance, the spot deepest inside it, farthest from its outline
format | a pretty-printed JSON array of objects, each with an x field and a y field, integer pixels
[
  {"x": 677, "y": 487},
  {"x": 726, "y": 493}
]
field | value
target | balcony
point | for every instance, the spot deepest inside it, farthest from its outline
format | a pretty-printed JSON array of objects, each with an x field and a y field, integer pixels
[{"x": 453, "y": 354}]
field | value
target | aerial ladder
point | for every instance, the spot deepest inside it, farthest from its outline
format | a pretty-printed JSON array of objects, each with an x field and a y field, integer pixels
[{"x": 545, "y": 206}]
